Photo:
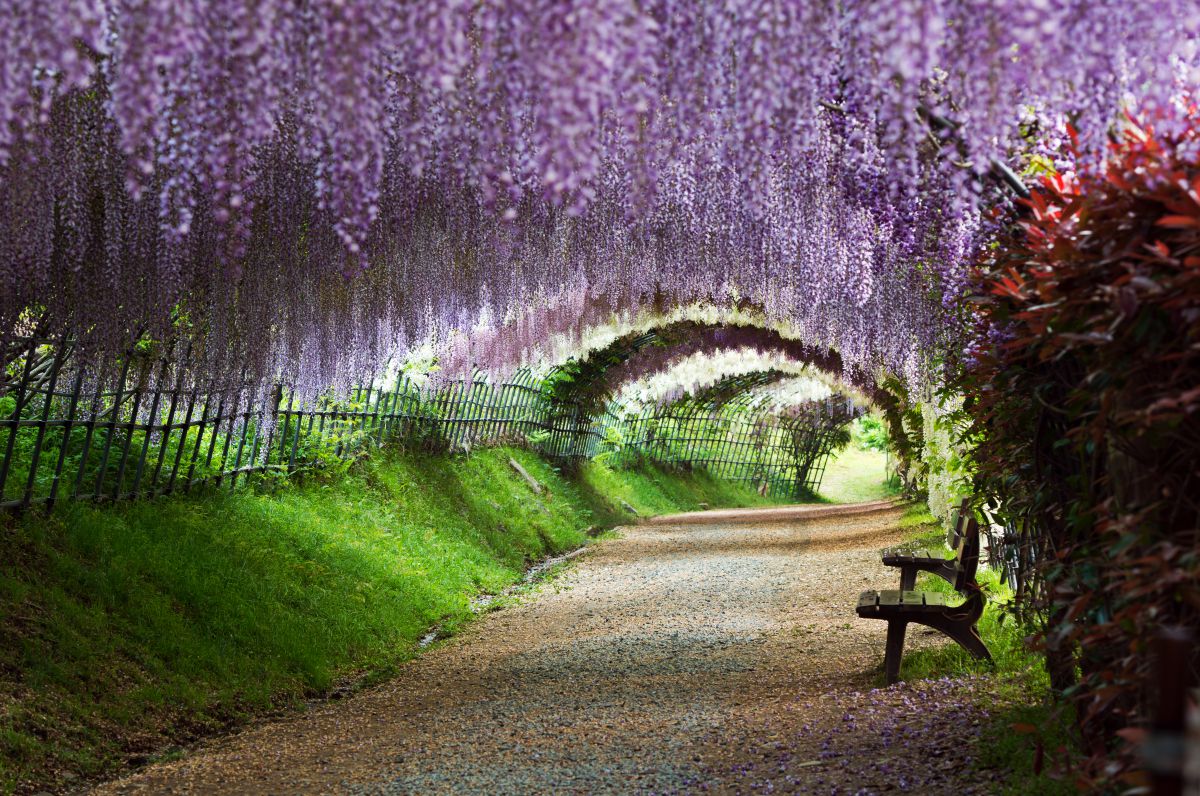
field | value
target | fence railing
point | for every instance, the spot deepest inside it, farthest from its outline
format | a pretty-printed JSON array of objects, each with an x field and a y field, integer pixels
[
  {"x": 148, "y": 425},
  {"x": 780, "y": 457}
]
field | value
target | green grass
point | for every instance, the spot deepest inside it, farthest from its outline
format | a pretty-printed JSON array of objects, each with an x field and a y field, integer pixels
[
  {"x": 1010, "y": 743},
  {"x": 1023, "y": 715},
  {"x": 921, "y": 524},
  {"x": 128, "y": 630},
  {"x": 651, "y": 489},
  {"x": 855, "y": 476}
]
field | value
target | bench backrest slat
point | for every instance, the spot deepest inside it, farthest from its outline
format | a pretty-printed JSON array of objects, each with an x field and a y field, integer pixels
[
  {"x": 954, "y": 535},
  {"x": 968, "y": 555}
]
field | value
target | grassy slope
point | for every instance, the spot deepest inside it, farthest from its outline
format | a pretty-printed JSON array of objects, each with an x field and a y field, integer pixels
[
  {"x": 654, "y": 490},
  {"x": 126, "y": 629},
  {"x": 855, "y": 475}
]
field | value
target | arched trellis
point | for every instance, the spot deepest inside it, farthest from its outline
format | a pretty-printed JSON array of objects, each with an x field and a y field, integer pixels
[
  {"x": 719, "y": 428},
  {"x": 149, "y": 423},
  {"x": 729, "y": 430},
  {"x": 593, "y": 377}
]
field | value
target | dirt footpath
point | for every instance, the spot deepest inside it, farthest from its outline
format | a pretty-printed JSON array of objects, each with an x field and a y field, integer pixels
[{"x": 692, "y": 658}]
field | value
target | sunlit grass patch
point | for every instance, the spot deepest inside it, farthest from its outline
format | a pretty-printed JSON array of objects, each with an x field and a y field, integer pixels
[
  {"x": 651, "y": 489},
  {"x": 922, "y": 525},
  {"x": 855, "y": 475}
]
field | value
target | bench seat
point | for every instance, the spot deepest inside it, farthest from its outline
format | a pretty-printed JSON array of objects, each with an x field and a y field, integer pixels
[
  {"x": 899, "y": 607},
  {"x": 894, "y": 601},
  {"x": 932, "y": 609}
]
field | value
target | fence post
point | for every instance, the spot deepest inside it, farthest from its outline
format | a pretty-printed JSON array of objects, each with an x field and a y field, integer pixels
[
  {"x": 212, "y": 441},
  {"x": 118, "y": 399},
  {"x": 391, "y": 418},
  {"x": 167, "y": 429},
  {"x": 1164, "y": 751},
  {"x": 154, "y": 404},
  {"x": 233, "y": 413},
  {"x": 27, "y": 498},
  {"x": 138, "y": 392},
  {"x": 291, "y": 466},
  {"x": 88, "y": 436},
  {"x": 67, "y": 427},
  {"x": 183, "y": 437},
  {"x": 376, "y": 431},
  {"x": 203, "y": 424},
  {"x": 14, "y": 424},
  {"x": 237, "y": 463}
]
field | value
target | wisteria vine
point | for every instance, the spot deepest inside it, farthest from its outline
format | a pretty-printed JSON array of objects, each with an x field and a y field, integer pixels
[
  {"x": 308, "y": 188},
  {"x": 690, "y": 343},
  {"x": 688, "y": 375}
]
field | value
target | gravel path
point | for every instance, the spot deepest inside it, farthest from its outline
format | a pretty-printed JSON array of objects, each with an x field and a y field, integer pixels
[{"x": 719, "y": 657}]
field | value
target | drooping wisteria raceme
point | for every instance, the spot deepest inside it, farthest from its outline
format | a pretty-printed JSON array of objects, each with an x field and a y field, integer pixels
[
  {"x": 694, "y": 372},
  {"x": 729, "y": 349},
  {"x": 306, "y": 188}
]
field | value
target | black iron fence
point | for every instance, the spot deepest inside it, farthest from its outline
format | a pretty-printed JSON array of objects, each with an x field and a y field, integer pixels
[
  {"x": 779, "y": 455},
  {"x": 148, "y": 425}
]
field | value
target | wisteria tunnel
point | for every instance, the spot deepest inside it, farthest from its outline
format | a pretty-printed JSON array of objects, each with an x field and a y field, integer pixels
[
  {"x": 330, "y": 330},
  {"x": 154, "y": 425}
]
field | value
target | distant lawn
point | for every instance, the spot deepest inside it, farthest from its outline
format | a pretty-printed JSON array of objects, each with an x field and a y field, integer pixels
[{"x": 854, "y": 476}]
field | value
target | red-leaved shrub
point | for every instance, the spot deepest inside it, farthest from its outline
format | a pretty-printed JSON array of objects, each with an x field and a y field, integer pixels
[{"x": 1084, "y": 391}]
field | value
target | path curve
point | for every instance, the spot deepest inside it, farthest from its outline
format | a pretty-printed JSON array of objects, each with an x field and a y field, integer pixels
[
  {"x": 773, "y": 514},
  {"x": 678, "y": 657}
]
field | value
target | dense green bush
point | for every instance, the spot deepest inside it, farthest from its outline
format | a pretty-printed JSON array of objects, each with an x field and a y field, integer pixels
[{"x": 870, "y": 433}]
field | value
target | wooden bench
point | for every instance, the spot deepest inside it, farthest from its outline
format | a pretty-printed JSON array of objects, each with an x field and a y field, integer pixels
[
  {"x": 915, "y": 557},
  {"x": 899, "y": 607}
]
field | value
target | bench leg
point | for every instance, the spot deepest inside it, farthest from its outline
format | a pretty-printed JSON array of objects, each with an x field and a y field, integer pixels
[
  {"x": 908, "y": 578},
  {"x": 894, "y": 651},
  {"x": 968, "y": 638},
  {"x": 964, "y": 632}
]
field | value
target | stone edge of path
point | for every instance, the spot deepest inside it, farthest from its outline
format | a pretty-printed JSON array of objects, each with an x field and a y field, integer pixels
[{"x": 774, "y": 513}]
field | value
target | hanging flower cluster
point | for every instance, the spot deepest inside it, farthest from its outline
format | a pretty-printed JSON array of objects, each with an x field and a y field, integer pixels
[
  {"x": 309, "y": 187},
  {"x": 690, "y": 342},
  {"x": 695, "y": 372}
]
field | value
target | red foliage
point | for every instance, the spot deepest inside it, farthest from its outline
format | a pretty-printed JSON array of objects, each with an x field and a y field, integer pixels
[{"x": 1085, "y": 394}]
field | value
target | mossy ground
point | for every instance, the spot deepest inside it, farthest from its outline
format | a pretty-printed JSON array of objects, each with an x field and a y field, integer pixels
[{"x": 128, "y": 630}]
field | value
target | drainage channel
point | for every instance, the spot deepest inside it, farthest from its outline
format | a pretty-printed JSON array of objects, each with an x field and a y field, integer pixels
[{"x": 481, "y": 603}]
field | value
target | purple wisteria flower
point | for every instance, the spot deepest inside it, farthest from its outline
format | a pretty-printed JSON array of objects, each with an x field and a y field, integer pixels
[{"x": 314, "y": 187}]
